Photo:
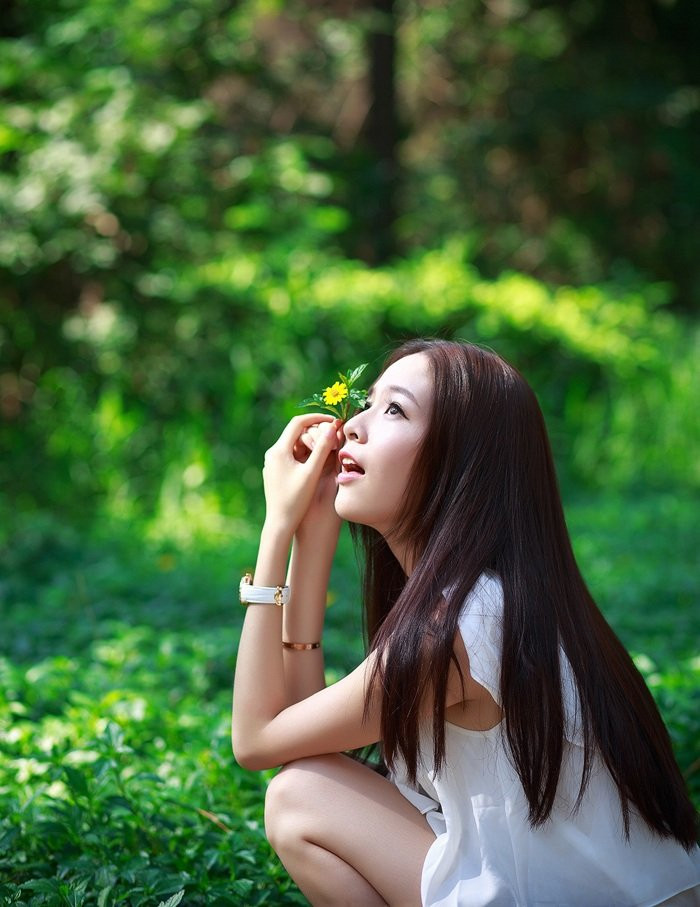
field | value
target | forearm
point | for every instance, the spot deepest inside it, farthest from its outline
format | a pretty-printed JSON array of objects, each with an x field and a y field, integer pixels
[
  {"x": 259, "y": 685},
  {"x": 303, "y": 619},
  {"x": 297, "y": 489}
]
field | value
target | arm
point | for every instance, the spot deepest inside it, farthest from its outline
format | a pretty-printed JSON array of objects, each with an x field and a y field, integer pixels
[
  {"x": 299, "y": 490},
  {"x": 315, "y": 542},
  {"x": 270, "y": 727},
  {"x": 304, "y": 616},
  {"x": 266, "y": 730}
]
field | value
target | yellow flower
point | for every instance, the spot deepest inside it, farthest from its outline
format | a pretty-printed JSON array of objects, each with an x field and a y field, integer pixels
[{"x": 335, "y": 393}]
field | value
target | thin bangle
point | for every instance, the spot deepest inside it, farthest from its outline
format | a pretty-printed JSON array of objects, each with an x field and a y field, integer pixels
[{"x": 301, "y": 646}]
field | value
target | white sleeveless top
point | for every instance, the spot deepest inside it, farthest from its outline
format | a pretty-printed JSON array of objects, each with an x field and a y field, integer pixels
[{"x": 486, "y": 852}]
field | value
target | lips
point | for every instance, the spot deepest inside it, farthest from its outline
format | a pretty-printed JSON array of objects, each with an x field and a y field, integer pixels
[{"x": 349, "y": 467}]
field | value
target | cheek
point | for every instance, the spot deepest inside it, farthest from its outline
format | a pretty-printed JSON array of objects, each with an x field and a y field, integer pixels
[
  {"x": 377, "y": 500},
  {"x": 397, "y": 473}
]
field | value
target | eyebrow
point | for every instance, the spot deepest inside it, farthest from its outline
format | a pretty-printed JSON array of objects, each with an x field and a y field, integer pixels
[{"x": 397, "y": 389}]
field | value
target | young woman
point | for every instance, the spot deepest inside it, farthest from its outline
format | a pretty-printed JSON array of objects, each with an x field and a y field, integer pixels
[{"x": 528, "y": 763}]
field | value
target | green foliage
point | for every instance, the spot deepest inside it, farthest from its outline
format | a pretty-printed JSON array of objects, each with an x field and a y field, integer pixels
[
  {"x": 180, "y": 196},
  {"x": 614, "y": 372},
  {"x": 117, "y": 783},
  {"x": 638, "y": 559},
  {"x": 185, "y": 192},
  {"x": 562, "y": 136}
]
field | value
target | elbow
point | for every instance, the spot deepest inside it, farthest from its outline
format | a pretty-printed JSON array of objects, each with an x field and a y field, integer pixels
[
  {"x": 248, "y": 755},
  {"x": 250, "y": 760}
]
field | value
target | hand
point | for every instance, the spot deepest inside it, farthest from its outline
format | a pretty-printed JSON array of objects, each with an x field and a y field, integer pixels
[
  {"x": 297, "y": 473},
  {"x": 320, "y": 520}
]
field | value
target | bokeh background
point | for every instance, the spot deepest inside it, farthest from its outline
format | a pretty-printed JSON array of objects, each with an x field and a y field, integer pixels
[{"x": 208, "y": 208}]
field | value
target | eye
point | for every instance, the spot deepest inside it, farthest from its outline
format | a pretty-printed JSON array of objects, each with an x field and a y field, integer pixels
[{"x": 393, "y": 409}]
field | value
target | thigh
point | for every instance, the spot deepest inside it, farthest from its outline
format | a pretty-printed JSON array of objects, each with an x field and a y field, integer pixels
[{"x": 350, "y": 810}]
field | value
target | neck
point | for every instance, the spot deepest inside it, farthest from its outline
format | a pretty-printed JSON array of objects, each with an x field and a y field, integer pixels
[{"x": 403, "y": 555}]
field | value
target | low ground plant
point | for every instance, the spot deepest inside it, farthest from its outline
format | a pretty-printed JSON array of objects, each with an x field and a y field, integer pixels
[{"x": 117, "y": 783}]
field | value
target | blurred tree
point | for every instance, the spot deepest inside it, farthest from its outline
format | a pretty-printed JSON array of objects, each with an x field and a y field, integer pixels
[
  {"x": 563, "y": 135},
  {"x": 145, "y": 146}
]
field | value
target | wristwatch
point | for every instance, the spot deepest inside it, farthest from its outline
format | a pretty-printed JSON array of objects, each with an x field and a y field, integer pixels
[{"x": 262, "y": 595}]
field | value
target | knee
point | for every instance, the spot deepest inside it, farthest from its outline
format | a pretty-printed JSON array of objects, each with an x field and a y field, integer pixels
[
  {"x": 290, "y": 797},
  {"x": 281, "y": 799}
]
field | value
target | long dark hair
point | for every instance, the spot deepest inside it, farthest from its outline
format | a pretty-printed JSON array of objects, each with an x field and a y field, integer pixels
[{"x": 485, "y": 498}]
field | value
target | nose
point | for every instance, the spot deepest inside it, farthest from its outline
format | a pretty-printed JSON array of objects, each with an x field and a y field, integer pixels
[{"x": 353, "y": 429}]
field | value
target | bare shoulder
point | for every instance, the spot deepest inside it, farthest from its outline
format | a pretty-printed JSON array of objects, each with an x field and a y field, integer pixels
[{"x": 469, "y": 704}]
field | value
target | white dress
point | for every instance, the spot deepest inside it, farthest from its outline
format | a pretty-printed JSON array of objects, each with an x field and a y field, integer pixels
[{"x": 485, "y": 851}]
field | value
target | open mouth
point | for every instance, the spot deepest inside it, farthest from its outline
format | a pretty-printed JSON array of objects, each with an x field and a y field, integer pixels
[{"x": 348, "y": 465}]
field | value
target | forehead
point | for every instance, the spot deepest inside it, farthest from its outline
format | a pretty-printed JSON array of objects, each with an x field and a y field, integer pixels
[{"x": 412, "y": 372}]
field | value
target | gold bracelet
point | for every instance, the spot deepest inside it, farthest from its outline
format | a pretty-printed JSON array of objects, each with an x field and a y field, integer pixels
[{"x": 301, "y": 646}]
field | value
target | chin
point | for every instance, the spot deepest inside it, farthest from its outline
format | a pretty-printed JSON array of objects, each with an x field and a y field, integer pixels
[
  {"x": 350, "y": 514},
  {"x": 346, "y": 512}
]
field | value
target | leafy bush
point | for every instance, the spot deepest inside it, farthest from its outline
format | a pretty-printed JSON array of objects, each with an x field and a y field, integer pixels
[
  {"x": 173, "y": 273},
  {"x": 202, "y": 391},
  {"x": 117, "y": 783}
]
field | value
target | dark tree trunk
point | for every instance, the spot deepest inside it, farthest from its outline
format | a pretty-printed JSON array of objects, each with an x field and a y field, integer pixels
[
  {"x": 8, "y": 19},
  {"x": 382, "y": 132}
]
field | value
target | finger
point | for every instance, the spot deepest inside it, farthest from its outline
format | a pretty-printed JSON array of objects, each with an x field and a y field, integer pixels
[
  {"x": 296, "y": 426},
  {"x": 307, "y": 441},
  {"x": 326, "y": 442},
  {"x": 332, "y": 463},
  {"x": 309, "y": 438},
  {"x": 305, "y": 444}
]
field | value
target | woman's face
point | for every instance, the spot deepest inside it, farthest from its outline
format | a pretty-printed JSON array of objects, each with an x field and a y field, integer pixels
[{"x": 382, "y": 442}]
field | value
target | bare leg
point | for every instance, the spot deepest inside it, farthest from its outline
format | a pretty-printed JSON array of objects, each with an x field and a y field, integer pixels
[{"x": 345, "y": 834}]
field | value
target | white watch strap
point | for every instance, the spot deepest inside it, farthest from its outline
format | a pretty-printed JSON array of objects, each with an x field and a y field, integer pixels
[{"x": 262, "y": 595}]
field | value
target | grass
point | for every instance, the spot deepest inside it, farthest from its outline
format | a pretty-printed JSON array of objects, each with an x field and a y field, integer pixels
[{"x": 117, "y": 783}]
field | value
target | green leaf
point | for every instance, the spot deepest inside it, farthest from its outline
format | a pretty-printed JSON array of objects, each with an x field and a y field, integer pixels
[
  {"x": 7, "y": 841},
  {"x": 42, "y": 886},
  {"x": 77, "y": 781},
  {"x": 355, "y": 373},
  {"x": 114, "y": 738},
  {"x": 74, "y": 894},
  {"x": 117, "y": 802},
  {"x": 316, "y": 400},
  {"x": 174, "y": 900}
]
